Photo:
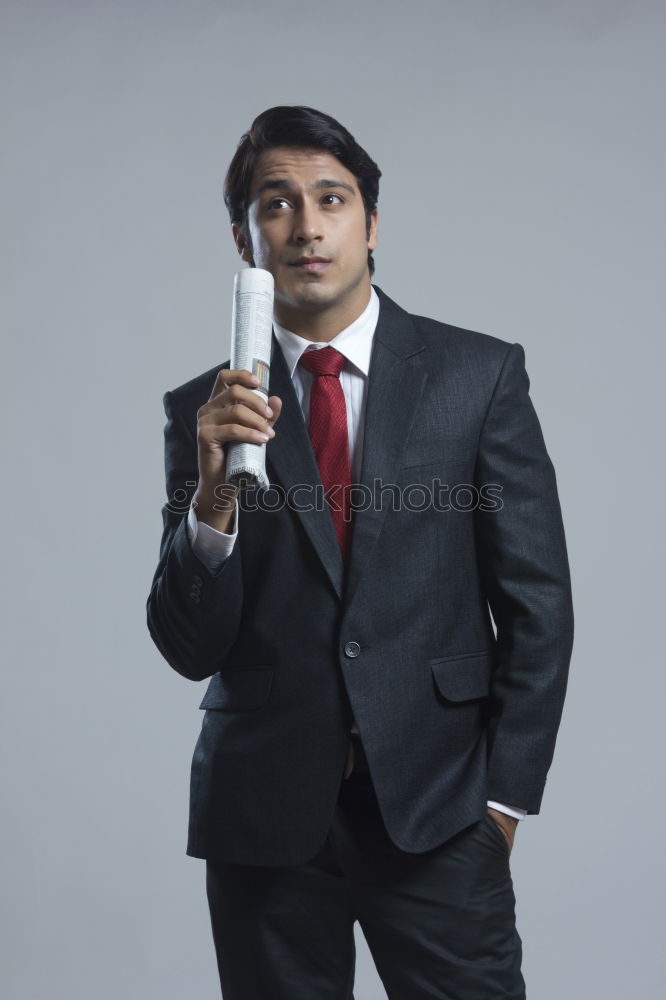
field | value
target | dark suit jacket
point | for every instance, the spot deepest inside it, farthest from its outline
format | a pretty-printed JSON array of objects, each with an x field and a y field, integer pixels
[{"x": 451, "y": 710}]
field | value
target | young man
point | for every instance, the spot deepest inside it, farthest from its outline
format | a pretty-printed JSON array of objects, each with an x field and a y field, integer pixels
[{"x": 370, "y": 740}]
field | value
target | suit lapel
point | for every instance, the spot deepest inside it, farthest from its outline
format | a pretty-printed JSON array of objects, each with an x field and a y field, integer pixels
[
  {"x": 290, "y": 459},
  {"x": 396, "y": 380}
]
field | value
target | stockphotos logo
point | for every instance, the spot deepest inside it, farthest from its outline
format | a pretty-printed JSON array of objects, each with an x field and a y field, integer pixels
[{"x": 305, "y": 497}]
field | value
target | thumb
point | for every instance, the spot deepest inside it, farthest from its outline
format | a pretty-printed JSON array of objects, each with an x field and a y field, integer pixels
[{"x": 275, "y": 404}]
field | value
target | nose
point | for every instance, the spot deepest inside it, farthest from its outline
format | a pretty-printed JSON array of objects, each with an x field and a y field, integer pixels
[{"x": 307, "y": 225}]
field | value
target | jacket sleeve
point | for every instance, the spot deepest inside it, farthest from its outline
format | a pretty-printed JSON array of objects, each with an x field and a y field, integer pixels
[
  {"x": 193, "y": 614},
  {"x": 524, "y": 568}
]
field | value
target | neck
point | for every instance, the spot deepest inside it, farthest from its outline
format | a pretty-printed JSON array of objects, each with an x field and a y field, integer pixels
[{"x": 322, "y": 325}]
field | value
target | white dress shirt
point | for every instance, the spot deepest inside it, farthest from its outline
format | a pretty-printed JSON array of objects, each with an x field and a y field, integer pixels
[{"x": 355, "y": 343}]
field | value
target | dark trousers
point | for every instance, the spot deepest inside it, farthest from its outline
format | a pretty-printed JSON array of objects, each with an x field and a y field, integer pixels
[{"x": 438, "y": 925}]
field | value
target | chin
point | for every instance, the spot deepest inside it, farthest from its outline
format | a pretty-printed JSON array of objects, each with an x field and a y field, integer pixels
[{"x": 311, "y": 296}]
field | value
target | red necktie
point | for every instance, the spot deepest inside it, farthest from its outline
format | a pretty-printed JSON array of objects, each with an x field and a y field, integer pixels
[{"x": 328, "y": 434}]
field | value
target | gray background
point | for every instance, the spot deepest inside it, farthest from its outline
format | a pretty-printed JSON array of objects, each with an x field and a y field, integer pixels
[{"x": 521, "y": 145}]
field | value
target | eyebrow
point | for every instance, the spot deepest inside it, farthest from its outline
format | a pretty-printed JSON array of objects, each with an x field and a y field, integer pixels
[{"x": 278, "y": 184}]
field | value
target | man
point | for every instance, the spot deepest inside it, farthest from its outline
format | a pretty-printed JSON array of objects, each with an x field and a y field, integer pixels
[{"x": 370, "y": 740}]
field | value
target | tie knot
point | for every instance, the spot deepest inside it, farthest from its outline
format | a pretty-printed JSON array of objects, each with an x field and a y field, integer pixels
[{"x": 323, "y": 361}]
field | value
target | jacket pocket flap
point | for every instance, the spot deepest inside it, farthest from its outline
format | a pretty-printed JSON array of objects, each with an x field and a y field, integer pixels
[
  {"x": 239, "y": 690},
  {"x": 464, "y": 676}
]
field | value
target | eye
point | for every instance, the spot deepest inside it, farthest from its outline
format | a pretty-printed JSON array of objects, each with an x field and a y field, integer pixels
[
  {"x": 327, "y": 199},
  {"x": 277, "y": 203}
]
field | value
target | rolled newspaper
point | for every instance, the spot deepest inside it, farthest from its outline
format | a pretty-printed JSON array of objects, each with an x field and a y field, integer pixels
[{"x": 251, "y": 325}]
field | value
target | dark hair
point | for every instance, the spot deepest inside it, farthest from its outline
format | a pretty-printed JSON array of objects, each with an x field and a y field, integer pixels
[{"x": 303, "y": 128}]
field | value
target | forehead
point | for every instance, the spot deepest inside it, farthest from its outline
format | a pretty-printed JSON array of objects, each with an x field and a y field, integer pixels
[{"x": 299, "y": 167}]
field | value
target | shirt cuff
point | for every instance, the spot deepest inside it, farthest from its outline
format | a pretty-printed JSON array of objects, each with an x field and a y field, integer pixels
[
  {"x": 212, "y": 547},
  {"x": 514, "y": 811}
]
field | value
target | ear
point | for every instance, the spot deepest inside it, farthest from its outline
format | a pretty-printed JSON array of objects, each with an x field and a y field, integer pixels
[
  {"x": 242, "y": 241},
  {"x": 372, "y": 237}
]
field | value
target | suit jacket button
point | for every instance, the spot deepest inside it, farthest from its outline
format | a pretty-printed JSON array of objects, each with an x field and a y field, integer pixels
[
  {"x": 195, "y": 595},
  {"x": 352, "y": 649},
  {"x": 198, "y": 581}
]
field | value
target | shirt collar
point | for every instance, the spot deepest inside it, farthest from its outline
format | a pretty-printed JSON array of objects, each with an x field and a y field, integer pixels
[{"x": 355, "y": 341}]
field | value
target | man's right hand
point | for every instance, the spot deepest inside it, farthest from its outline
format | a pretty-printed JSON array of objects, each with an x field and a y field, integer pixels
[{"x": 233, "y": 413}]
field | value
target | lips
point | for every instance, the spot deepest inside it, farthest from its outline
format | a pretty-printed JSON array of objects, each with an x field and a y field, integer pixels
[{"x": 312, "y": 264}]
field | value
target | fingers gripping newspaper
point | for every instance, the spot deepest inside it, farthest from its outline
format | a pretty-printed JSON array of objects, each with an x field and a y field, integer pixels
[{"x": 251, "y": 326}]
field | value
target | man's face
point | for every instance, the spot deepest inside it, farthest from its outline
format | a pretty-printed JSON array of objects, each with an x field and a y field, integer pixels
[{"x": 306, "y": 224}]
